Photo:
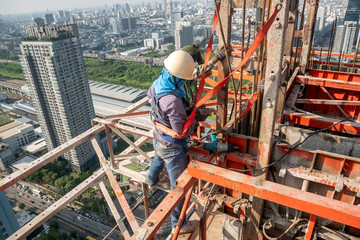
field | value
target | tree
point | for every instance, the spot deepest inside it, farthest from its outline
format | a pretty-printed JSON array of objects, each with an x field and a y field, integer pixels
[
  {"x": 73, "y": 235},
  {"x": 54, "y": 225},
  {"x": 21, "y": 205}
]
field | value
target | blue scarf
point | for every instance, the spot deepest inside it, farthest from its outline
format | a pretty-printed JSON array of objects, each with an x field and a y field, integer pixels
[{"x": 166, "y": 83}]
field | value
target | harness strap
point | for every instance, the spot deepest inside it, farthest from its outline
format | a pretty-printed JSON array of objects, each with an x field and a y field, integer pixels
[{"x": 219, "y": 85}]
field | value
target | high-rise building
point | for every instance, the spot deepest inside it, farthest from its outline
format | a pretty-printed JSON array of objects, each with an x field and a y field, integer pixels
[
  {"x": 115, "y": 25},
  {"x": 353, "y": 11},
  {"x": 184, "y": 35},
  {"x": 8, "y": 222},
  {"x": 128, "y": 23},
  {"x": 39, "y": 21},
  {"x": 339, "y": 38},
  {"x": 127, "y": 7},
  {"x": 55, "y": 73},
  {"x": 175, "y": 17},
  {"x": 349, "y": 38},
  {"x": 321, "y": 15},
  {"x": 49, "y": 19},
  {"x": 346, "y": 37}
]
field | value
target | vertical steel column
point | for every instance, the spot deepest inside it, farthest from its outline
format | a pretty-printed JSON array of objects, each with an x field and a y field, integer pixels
[
  {"x": 275, "y": 46},
  {"x": 288, "y": 49},
  {"x": 111, "y": 151},
  {"x": 224, "y": 69},
  {"x": 308, "y": 33},
  {"x": 144, "y": 187}
]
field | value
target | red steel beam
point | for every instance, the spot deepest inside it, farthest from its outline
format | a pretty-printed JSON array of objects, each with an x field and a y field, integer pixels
[
  {"x": 310, "y": 228},
  {"x": 304, "y": 201},
  {"x": 321, "y": 82},
  {"x": 348, "y": 77},
  {"x": 336, "y": 64},
  {"x": 161, "y": 213},
  {"x": 313, "y": 120},
  {"x": 242, "y": 158},
  {"x": 324, "y": 178},
  {"x": 328, "y": 102}
]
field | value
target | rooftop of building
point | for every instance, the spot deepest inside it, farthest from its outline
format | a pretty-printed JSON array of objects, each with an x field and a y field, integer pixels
[
  {"x": 12, "y": 129},
  {"x": 35, "y": 146},
  {"x": 22, "y": 162},
  {"x": 122, "y": 93}
]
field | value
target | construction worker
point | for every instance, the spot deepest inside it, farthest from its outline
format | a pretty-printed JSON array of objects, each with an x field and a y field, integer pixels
[
  {"x": 166, "y": 97},
  {"x": 194, "y": 51}
]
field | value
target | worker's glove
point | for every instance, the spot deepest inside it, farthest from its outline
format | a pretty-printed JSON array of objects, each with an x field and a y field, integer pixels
[
  {"x": 202, "y": 113},
  {"x": 220, "y": 54}
]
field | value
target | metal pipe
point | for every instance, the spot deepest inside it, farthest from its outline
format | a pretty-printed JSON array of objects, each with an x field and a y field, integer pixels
[
  {"x": 182, "y": 214},
  {"x": 331, "y": 42},
  {"x": 259, "y": 102},
  {"x": 356, "y": 53},
  {"x": 300, "y": 28},
  {"x": 111, "y": 151},
  {"x": 321, "y": 49},
  {"x": 242, "y": 68},
  {"x": 340, "y": 59},
  {"x": 261, "y": 58},
  {"x": 227, "y": 55},
  {"x": 146, "y": 200}
]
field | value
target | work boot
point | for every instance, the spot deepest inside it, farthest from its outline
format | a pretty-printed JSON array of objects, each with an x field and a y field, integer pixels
[
  {"x": 163, "y": 183},
  {"x": 189, "y": 227}
]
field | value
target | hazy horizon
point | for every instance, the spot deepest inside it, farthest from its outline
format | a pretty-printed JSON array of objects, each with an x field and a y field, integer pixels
[{"x": 33, "y": 6}]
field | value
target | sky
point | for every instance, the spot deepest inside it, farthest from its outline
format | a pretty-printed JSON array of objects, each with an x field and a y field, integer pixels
[{"x": 29, "y": 6}]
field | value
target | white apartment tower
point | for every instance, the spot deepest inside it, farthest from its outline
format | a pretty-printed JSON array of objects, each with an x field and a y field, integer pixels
[
  {"x": 184, "y": 35},
  {"x": 55, "y": 72}
]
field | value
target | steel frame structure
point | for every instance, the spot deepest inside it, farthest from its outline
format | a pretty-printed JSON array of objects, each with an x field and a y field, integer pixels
[{"x": 311, "y": 184}]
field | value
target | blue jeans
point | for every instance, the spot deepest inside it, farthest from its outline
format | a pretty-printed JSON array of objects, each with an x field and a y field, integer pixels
[{"x": 175, "y": 160}]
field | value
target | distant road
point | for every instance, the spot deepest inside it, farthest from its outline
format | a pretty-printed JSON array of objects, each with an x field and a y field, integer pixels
[
  {"x": 66, "y": 215},
  {"x": 156, "y": 61},
  {"x": 8, "y": 61}
]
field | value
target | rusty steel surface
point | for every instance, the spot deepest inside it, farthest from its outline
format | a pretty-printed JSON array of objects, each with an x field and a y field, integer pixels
[
  {"x": 160, "y": 214},
  {"x": 317, "y": 121},
  {"x": 275, "y": 48},
  {"x": 223, "y": 69},
  {"x": 307, "y": 202},
  {"x": 115, "y": 186},
  {"x": 331, "y": 83},
  {"x": 182, "y": 214},
  {"x": 309, "y": 28},
  {"x": 348, "y": 77}
]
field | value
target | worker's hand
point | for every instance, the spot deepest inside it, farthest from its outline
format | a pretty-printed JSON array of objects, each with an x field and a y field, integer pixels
[
  {"x": 202, "y": 113},
  {"x": 220, "y": 54}
]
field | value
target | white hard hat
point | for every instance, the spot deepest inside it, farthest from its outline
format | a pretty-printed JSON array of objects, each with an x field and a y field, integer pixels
[{"x": 180, "y": 64}]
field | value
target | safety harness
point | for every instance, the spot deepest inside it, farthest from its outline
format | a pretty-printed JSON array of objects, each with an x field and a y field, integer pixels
[
  {"x": 219, "y": 85},
  {"x": 155, "y": 119}
]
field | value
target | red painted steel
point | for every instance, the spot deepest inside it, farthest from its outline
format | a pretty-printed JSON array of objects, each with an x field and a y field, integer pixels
[
  {"x": 310, "y": 228},
  {"x": 284, "y": 195},
  {"x": 338, "y": 84},
  {"x": 317, "y": 121},
  {"x": 182, "y": 214},
  {"x": 349, "y": 65},
  {"x": 160, "y": 214}
]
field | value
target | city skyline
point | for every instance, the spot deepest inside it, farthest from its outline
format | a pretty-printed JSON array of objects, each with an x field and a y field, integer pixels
[{"x": 38, "y": 6}]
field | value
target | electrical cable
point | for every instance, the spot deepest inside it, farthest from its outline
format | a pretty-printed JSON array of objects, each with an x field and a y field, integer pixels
[
  {"x": 286, "y": 231},
  {"x": 291, "y": 149}
]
